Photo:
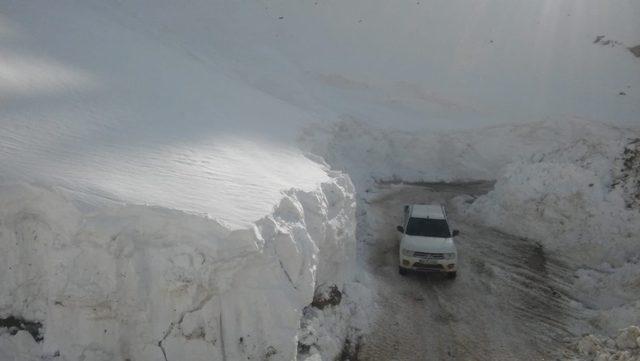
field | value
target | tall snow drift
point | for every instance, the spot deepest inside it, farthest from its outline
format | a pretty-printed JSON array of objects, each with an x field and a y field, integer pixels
[{"x": 148, "y": 283}]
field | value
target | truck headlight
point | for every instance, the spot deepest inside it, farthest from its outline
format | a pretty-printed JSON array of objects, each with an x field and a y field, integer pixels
[
  {"x": 407, "y": 253},
  {"x": 449, "y": 255}
]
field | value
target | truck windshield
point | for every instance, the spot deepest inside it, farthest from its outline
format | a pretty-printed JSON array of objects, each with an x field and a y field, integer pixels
[{"x": 426, "y": 227}]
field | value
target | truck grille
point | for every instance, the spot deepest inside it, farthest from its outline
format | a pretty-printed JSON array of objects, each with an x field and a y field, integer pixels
[
  {"x": 422, "y": 266},
  {"x": 425, "y": 255}
]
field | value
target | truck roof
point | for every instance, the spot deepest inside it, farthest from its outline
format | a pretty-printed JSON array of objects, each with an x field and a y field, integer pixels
[{"x": 434, "y": 211}]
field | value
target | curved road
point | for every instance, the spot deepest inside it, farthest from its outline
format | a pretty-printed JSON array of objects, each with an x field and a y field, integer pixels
[{"x": 509, "y": 301}]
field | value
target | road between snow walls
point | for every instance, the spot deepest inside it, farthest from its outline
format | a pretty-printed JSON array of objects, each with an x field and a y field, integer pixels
[
  {"x": 147, "y": 283},
  {"x": 549, "y": 245},
  {"x": 548, "y": 253}
]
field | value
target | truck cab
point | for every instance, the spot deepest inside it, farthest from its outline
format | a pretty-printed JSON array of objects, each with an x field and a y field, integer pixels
[{"x": 426, "y": 241}]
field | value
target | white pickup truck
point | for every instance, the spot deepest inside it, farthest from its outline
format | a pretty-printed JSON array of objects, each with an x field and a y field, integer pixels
[{"x": 426, "y": 242}]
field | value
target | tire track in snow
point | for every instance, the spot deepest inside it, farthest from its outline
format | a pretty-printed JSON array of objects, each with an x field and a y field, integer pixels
[{"x": 510, "y": 300}]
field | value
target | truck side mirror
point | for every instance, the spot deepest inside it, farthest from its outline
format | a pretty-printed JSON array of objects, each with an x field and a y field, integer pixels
[
  {"x": 455, "y": 233},
  {"x": 400, "y": 229}
]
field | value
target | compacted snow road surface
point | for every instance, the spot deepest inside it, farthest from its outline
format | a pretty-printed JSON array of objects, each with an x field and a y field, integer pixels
[{"x": 508, "y": 302}]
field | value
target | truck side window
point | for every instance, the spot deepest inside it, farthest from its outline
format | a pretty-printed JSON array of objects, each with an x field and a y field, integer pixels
[{"x": 406, "y": 216}]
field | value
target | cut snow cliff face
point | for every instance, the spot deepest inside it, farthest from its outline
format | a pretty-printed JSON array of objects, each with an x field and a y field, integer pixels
[{"x": 144, "y": 283}]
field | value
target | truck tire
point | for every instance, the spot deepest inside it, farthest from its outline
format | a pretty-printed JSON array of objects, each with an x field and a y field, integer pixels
[
  {"x": 452, "y": 275},
  {"x": 402, "y": 271}
]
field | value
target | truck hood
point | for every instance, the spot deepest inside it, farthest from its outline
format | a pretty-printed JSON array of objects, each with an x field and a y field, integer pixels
[{"x": 427, "y": 244}]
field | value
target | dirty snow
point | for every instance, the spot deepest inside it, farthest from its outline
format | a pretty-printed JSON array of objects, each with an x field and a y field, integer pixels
[{"x": 625, "y": 346}]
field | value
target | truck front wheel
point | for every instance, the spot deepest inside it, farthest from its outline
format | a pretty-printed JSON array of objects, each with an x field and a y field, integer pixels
[{"x": 402, "y": 271}]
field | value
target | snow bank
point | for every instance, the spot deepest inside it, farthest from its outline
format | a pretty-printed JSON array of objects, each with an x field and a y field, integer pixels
[
  {"x": 564, "y": 206},
  {"x": 584, "y": 211},
  {"x": 379, "y": 154},
  {"x": 148, "y": 283}
]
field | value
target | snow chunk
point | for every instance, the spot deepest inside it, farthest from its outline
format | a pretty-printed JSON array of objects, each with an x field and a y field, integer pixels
[
  {"x": 625, "y": 347},
  {"x": 628, "y": 338}
]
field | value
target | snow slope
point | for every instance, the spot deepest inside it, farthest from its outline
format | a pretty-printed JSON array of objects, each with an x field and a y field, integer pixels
[
  {"x": 166, "y": 103},
  {"x": 104, "y": 110},
  {"x": 434, "y": 64}
]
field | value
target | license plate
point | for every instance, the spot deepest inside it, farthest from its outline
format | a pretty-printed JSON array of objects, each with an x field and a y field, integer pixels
[{"x": 425, "y": 262}]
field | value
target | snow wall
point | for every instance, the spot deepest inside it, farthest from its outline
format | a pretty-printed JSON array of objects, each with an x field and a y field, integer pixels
[{"x": 135, "y": 282}]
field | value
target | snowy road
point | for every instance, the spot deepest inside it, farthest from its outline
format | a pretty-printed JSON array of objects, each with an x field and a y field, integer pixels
[{"x": 509, "y": 301}]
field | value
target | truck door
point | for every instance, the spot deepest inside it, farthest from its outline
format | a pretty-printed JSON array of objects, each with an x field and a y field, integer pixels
[{"x": 405, "y": 219}]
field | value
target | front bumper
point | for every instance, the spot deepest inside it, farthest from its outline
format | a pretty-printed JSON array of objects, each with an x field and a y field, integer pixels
[{"x": 428, "y": 265}]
